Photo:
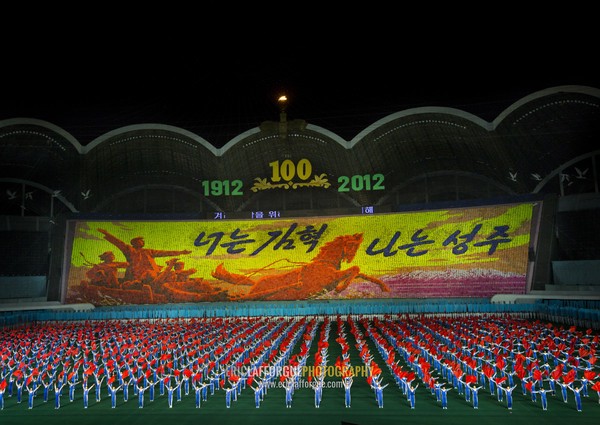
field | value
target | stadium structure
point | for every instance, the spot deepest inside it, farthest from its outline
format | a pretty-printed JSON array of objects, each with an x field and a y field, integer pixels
[
  {"x": 540, "y": 150},
  {"x": 289, "y": 235}
]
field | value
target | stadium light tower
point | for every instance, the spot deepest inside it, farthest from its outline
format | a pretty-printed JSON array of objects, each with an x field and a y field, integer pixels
[{"x": 282, "y": 102}]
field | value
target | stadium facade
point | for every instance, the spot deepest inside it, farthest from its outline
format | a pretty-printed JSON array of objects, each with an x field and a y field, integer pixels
[{"x": 542, "y": 149}]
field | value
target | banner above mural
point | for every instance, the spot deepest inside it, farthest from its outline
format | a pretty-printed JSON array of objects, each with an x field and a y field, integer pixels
[{"x": 467, "y": 252}]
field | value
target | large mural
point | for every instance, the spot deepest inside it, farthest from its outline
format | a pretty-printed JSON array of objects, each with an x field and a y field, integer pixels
[{"x": 468, "y": 252}]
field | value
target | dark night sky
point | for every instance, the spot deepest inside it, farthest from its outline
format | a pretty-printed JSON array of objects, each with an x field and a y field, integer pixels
[{"x": 219, "y": 90}]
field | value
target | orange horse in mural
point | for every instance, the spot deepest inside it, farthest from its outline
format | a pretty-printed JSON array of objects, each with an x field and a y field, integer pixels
[{"x": 322, "y": 274}]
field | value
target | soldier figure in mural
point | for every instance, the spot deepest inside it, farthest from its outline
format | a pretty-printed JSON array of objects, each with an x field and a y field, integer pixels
[
  {"x": 173, "y": 276},
  {"x": 142, "y": 266},
  {"x": 175, "y": 271},
  {"x": 106, "y": 272},
  {"x": 144, "y": 280}
]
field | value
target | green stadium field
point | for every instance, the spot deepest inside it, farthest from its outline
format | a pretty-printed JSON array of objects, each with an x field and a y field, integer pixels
[{"x": 363, "y": 411}]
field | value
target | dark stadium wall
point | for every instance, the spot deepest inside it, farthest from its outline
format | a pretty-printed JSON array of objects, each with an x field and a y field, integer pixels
[
  {"x": 24, "y": 258},
  {"x": 55, "y": 269},
  {"x": 541, "y": 257}
]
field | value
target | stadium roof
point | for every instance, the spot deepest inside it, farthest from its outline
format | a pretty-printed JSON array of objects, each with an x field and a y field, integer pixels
[{"x": 226, "y": 91}]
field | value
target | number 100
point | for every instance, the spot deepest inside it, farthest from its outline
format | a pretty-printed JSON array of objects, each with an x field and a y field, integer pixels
[{"x": 287, "y": 170}]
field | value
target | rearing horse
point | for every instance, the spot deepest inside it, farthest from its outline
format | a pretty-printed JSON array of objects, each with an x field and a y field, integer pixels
[{"x": 323, "y": 272}]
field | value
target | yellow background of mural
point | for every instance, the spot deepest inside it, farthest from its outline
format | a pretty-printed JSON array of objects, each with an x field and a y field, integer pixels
[{"x": 88, "y": 242}]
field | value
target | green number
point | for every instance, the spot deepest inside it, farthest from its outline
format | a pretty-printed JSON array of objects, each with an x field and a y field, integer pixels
[
  {"x": 343, "y": 181},
  {"x": 222, "y": 187},
  {"x": 216, "y": 188},
  {"x": 206, "y": 187},
  {"x": 378, "y": 182},
  {"x": 237, "y": 186},
  {"x": 359, "y": 183}
]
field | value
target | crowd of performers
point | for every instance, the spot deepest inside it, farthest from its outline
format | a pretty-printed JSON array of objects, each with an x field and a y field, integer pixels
[{"x": 166, "y": 360}]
